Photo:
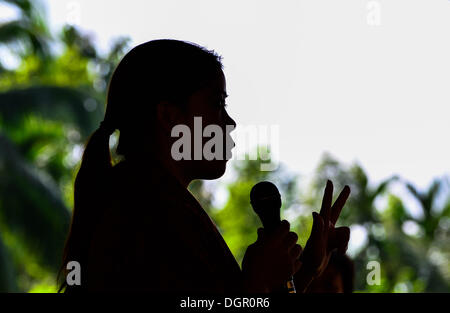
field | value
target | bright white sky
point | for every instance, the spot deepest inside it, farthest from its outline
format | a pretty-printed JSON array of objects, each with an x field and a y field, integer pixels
[{"x": 364, "y": 80}]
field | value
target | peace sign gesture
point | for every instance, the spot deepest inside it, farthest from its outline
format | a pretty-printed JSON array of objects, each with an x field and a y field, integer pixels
[{"x": 325, "y": 238}]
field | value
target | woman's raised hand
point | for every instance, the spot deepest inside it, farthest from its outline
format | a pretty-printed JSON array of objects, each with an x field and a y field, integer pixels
[{"x": 325, "y": 237}]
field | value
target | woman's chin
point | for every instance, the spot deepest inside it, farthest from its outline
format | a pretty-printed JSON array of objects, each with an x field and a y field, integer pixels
[{"x": 213, "y": 169}]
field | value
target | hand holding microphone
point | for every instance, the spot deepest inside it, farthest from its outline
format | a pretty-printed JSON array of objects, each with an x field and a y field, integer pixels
[{"x": 271, "y": 261}]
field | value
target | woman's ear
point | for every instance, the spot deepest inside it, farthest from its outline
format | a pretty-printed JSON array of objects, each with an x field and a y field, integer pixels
[{"x": 168, "y": 115}]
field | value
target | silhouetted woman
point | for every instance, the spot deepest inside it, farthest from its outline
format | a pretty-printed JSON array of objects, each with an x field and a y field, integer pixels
[{"x": 135, "y": 225}]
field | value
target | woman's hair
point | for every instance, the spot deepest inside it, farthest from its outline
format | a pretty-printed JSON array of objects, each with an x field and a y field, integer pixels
[{"x": 154, "y": 71}]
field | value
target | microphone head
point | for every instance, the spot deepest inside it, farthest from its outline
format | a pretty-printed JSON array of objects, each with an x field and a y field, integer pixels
[{"x": 266, "y": 201}]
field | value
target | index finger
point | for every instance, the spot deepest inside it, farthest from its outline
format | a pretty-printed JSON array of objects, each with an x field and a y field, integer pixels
[
  {"x": 281, "y": 230},
  {"x": 339, "y": 204},
  {"x": 326, "y": 202}
]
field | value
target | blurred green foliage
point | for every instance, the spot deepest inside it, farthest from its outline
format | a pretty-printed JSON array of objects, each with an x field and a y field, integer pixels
[{"x": 51, "y": 103}]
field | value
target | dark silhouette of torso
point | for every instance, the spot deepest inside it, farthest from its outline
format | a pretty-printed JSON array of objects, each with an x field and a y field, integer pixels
[{"x": 155, "y": 236}]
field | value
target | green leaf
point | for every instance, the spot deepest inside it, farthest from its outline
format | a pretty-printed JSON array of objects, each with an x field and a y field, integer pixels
[
  {"x": 32, "y": 207},
  {"x": 7, "y": 272},
  {"x": 54, "y": 103}
]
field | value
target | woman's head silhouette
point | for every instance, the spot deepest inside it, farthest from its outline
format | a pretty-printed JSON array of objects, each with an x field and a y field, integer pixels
[
  {"x": 160, "y": 84},
  {"x": 157, "y": 85}
]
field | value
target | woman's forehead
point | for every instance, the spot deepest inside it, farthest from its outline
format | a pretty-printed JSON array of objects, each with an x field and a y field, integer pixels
[{"x": 218, "y": 85}]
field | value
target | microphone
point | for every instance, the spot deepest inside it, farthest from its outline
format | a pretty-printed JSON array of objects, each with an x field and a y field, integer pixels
[{"x": 266, "y": 202}]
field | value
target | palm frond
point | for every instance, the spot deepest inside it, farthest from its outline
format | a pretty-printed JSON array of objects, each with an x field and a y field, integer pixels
[
  {"x": 32, "y": 206},
  {"x": 24, "y": 5},
  {"x": 7, "y": 279},
  {"x": 63, "y": 104}
]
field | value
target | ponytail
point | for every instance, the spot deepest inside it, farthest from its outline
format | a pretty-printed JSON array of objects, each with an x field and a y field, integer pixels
[{"x": 90, "y": 198}]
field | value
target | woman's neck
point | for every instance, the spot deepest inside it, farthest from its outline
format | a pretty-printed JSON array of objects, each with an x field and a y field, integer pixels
[{"x": 148, "y": 165}]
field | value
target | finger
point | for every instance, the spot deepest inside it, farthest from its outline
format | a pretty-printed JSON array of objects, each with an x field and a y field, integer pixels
[
  {"x": 291, "y": 239},
  {"x": 339, "y": 238},
  {"x": 342, "y": 235},
  {"x": 318, "y": 226},
  {"x": 296, "y": 251},
  {"x": 260, "y": 232},
  {"x": 297, "y": 265},
  {"x": 281, "y": 230},
  {"x": 320, "y": 223},
  {"x": 326, "y": 201},
  {"x": 339, "y": 204},
  {"x": 343, "y": 249}
]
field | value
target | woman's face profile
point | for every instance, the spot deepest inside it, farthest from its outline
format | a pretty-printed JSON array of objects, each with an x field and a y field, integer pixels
[{"x": 207, "y": 119}]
